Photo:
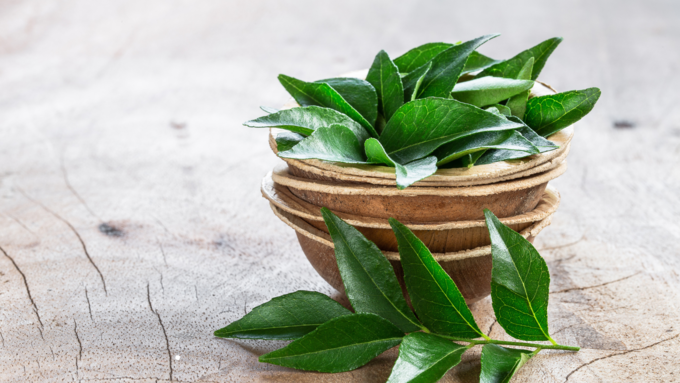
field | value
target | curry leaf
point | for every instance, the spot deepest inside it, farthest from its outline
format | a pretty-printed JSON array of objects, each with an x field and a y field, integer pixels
[
  {"x": 434, "y": 295},
  {"x": 510, "y": 68},
  {"x": 360, "y": 94},
  {"x": 289, "y": 316},
  {"x": 341, "y": 344},
  {"x": 519, "y": 283},
  {"x": 548, "y": 115},
  {"x": 286, "y": 140},
  {"x": 421, "y": 126},
  {"x": 306, "y": 120},
  {"x": 502, "y": 109},
  {"x": 384, "y": 76},
  {"x": 268, "y": 110},
  {"x": 447, "y": 66},
  {"x": 322, "y": 94},
  {"x": 518, "y": 103},
  {"x": 489, "y": 90},
  {"x": 504, "y": 139},
  {"x": 499, "y": 364},
  {"x": 424, "y": 358},
  {"x": 419, "y": 56},
  {"x": 335, "y": 143},
  {"x": 369, "y": 279},
  {"x": 406, "y": 174},
  {"x": 543, "y": 145},
  {"x": 477, "y": 61},
  {"x": 413, "y": 81}
]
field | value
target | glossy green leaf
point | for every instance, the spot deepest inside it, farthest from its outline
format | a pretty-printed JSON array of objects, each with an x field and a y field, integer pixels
[
  {"x": 413, "y": 81},
  {"x": 335, "y": 143},
  {"x": 499, "y": 364},
  {"x": 471, "y": 159},
  {"x": 504, "y": 139},
  {"x": 268, "y": 110},
  {"x": 518, "y": 103},
  {"x": 307, "y": 119},
  {"x": 510, "y": 68},
  {"x": 424, "y": 358},
  {"x": 421, "y": 126},
  {"x": 477, "y": 61},
  {"x": 435, "y": 297},
  {"x": 368, "y": 277},
  {"x": 489, "y": 90},
  {"x": 502, "y": 109},
  {"x": 286, "y": 140},
  {"x": 548, "y": 115},
  {"x": 419, "y": 56},
  {"x": 406, "y": 174},
  {"x": 341, "y": 344},
  {"x": 384, "y": 76},
  {"x": 289, "y": 316},
  {"x": 360, "y": 94},
  {"x": 322, "y": 94},
  {"x": 519, "y": 283},
  {"x": 447, "y": 66},
  {"x": 543, "y": 145}
]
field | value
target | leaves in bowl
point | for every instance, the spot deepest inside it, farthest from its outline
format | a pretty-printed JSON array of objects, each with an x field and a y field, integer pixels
[
  {"x": 511, "y": 68},
  {"x": 336, "y": 143},
  {"x": 384, "y": 76},
  {"x": 505, "y": 140},
  {"x": 489, "y": 90},
  {"x": 548, "y": 115},
  {"x": 407, "y": 174},
  {"x": 360, "y": 94}
]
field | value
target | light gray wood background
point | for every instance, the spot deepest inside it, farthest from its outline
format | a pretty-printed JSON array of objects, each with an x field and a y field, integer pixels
[{"x": 131, "y": 221}]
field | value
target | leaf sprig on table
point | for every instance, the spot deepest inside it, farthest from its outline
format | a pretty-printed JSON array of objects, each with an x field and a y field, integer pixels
[
  {"x": 329, "y": 338},
  {"x": 438, "y": 105}
]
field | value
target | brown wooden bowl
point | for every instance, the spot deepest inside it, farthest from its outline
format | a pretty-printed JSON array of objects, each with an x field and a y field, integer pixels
[
  {"x": 439, "y": 238},
  {"x": 470, "y": 269},
  {"x": 422, "y": 205}
]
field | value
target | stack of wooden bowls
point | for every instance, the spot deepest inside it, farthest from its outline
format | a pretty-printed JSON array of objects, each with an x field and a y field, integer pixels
[{"x": 444, "y": 210}]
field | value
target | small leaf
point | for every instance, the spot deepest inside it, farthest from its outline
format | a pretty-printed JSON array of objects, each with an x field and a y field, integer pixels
[
  {"x": 370, "y": 283},
  {"x": 335, "y": 143},
  {"x": 504, "y": 139},
  {"x": 289, "y": 316},
  {"x": 542, "y": 144},
  {"x": 489, "y": 90},
  {"x": 419, "y": 56},
  {"x": 341, "y": 344},
  {"x": 322, "y": 94},
  {"x": 519, "y": 283},
  {"x": 360, "y": 94},
  {"x": 406, "y": 174},
  {"x": 421, "y": 126},
  {"x": 384, "y": 76},
  {"x": 434, "y": 295},
  {"x": 413, "y": 81},
  {"x": 548, "y": 115},
  {"x": 447, "y": 66},
  {"x": 510, "y": 68},
  {"x": 477, "y": 61},
  {"x": 499, "y": 364},
  {"x": 286, "y": 140},
  {"x": 424, "y": 358},
  {"x": 307, "y": 119},
  {"x": 518, "y": 103},
  {"x": 268, "y": 109},
  {"x": 502, "y": 109}
]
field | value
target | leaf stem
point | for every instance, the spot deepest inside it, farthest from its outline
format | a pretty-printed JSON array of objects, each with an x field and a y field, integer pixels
[{"x": 524, "y": 344}]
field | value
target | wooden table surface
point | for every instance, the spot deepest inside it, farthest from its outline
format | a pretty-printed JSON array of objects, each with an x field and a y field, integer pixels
[{"x": 131, "y": 221}]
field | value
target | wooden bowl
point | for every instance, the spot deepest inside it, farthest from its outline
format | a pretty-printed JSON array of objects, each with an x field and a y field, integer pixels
[
  {"x": 439, "y": 238},
  {"x": 470, "y": 269},
  {"x": 422, "y": 204}
]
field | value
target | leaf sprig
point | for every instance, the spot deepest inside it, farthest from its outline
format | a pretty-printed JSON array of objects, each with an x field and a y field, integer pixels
[
  {"x": 431, "y": 101},
  {"x": 330, "y": 338}
]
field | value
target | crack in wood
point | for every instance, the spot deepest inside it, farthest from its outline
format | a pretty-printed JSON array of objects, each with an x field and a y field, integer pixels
[
  {"x": 73, "y": 191},
  {"x": 28, "y": 291},
  {"x": 565, "y": 245},
  {"x": 165, "y": 334},
  {"x": 80, "y": 344},
  {"x": 89, "y": 307},
  {"x": 488, "y": 333},
  {"x": 592, "y": 287}
]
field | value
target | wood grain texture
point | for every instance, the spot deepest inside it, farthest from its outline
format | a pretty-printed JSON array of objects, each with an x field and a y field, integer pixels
[{"x": 132, "y": 224}]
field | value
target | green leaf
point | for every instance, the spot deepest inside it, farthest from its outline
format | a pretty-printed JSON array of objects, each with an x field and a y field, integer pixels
[
  {"x": 518, "y": 103},
  {"x": 268, "y": 110},
  {"x": 335, "y": 143},
  {"x": 384, "y": 76},
  {"x": 504, "y": 139},
  {"x": 519, "y": 283},
  {"x": 447, "y": 66},
  {"x": 289, "y": 316},
  {"x": 341, "y": 344},
  {"x": 322, "y": 94},
  {"x": 419, "y": 56},
  {"x": 477, "y": 61},
  {"x": 424, "y": 358},
  {"x": 435, "y": 297},
  {"x": 548, "y": 115},
  {"x": 286, "y": 140},
  {"x": 499, "y": 364},
  {"x": 502, "y": 109},
  {"x": 306, "y": 120},
  {"x": 510, "y": 68},
  {"x": 360, "y": 94},
  {"x": 421, "y": 126},
  {"x": 406, "y": 174},
  {"x": 370, "y": 283},
  {"x": 489, "y": 90},
  {"x": 543, "y": 145},
  {"x": 413, "y": 81}
]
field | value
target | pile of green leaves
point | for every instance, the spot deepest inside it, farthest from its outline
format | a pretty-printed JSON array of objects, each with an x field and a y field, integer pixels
[
  {"x": 438, "y": 105},
  {"x": 329, "y": 338}
]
